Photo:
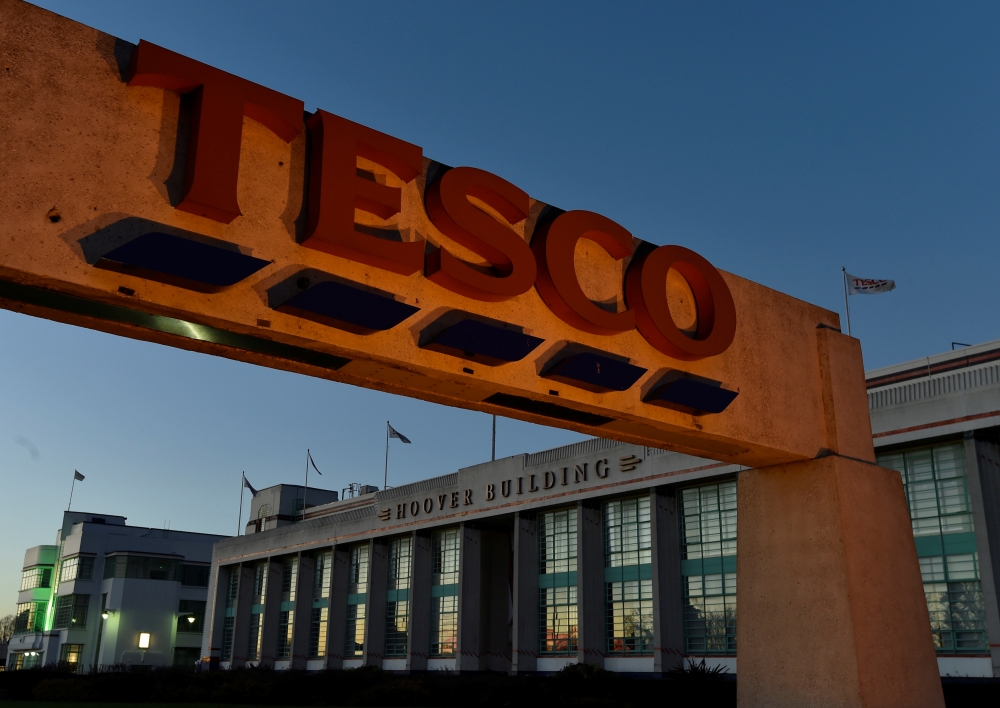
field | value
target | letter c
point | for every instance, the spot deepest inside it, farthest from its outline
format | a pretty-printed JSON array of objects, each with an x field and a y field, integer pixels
[
  {"x": 554, "y": 245},
  {"x": 646, "y": 291}
]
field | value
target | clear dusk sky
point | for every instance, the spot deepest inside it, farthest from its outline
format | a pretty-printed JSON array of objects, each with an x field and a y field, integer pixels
[{"x": 779, "y": 140}]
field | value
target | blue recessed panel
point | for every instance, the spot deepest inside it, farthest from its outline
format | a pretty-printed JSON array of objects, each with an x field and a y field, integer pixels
[
  {"x": 348, "y": 307},
  {"x": 692, "y": 396},
  {"x": 483, "y": 342},
  {"x": 182, "y": 262},
  {"x": 594, "y": 372}
]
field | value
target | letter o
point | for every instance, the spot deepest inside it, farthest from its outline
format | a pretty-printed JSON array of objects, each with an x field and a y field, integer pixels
[
  {"x": 646, "y": 292},
  {"x": 554, "y": 245},
  {"x": 414, "y": 508},
  {"x": 428, "y": 506}
]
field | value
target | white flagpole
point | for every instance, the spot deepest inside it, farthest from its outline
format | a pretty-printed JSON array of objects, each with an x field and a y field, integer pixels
[
  {"x": 494, "y": 455},
  {"x": 71, "y": 487},
  {"x": 385, "y": 477},
  {"x": 243, "y": 477},
  {"x": 847, "y": 303}
]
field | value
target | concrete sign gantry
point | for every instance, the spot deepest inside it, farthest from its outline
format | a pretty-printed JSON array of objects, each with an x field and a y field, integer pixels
[{"x": 152, "y": 196}]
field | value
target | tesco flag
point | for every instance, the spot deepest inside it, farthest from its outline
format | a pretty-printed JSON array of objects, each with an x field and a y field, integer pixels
[{"x": 868, "y": 286}]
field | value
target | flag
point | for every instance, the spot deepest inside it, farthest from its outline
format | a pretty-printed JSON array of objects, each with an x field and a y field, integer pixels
[
  {"x": 77, "y": 476},
  {"x": 249, "y": 486},
  {"x": 868, "y": 286},
  {"x": 309, "y": 455},
  {"x": 393, "y": 433}
]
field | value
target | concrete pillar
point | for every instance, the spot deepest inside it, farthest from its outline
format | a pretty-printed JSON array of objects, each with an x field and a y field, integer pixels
[
  {"x": 524, "y": 650},
  {"x": 215, "y": 615},
  {"x": 668, "y": 630},
  {"x": 982, "y": 463},
  {"x": 378, "y": 580},
  {"x": 269, "y": 620},
  {"x": 418, "y": 625},
  {"x": 494, "y": 627},
  {"x": 338, "y": 607},
  {"x": 590, "y": 584},
  {"x": 241, "y": 620},
  {"x": 831, "y": 604},
  {"x": 469, "y": 598},
  {"x": 303, "y": 610}
]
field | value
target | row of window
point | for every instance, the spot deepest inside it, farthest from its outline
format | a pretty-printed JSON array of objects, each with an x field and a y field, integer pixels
[
  {"x": 118, "y": 566},
  {"x": 936, "y": 491}
]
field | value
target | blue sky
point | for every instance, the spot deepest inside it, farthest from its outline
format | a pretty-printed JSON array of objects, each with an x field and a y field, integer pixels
[{"x": 779, "y": 140}]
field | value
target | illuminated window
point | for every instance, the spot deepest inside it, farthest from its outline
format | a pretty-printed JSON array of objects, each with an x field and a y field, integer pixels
[
  {"x": 557, "y": 582},
  {"x": 319, "y": 618},
  {"x": 286, "y": 616},
  {"x": 708, "y": 568},
  {"x": 397, "y": 606},
  {"x": 76, "y": 568},
  {"x": 357, "y": 598},
  {"x": 940, "y": 512},
  {"x": 444, "y": 593},
  {"x": 69, "y": 656},
  {"x": 628, "y": 583},
  {"x": 37, "y": 577}
]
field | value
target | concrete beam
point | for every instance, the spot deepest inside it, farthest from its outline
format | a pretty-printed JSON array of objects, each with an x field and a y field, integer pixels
[
  {"x": 524, "y": 650},
  {"x": 215, "y": 616},
  {"x": 982, "y": 463},
  {"x": 668, "y": 629},
  {"x": 272, "y": 607},
  {"x": 338, "y": 607},
  {"x": 303, "y": 610},
  {"x": 241, "y": 618},
  {"x": 590, "y": 584},
  {"x": 469, "y": 599},
  {"x": 378, "y": 580},
  {"x": 418, "y": 624}
]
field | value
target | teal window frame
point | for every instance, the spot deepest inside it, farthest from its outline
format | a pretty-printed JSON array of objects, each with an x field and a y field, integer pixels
[
  {"x": 708, "y": 515},
  {"x": 628, "y": 572},
  {"x": 357, "y": 601},
  {"x": 445, "y": 554},
  {"x": 397, "y": 605},
  {"x": 937, "y": 494},
  {"x": 558, "y": 611}
]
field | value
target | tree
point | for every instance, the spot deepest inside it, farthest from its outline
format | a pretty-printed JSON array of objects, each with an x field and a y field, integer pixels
[{"x": 6, "y": 628}]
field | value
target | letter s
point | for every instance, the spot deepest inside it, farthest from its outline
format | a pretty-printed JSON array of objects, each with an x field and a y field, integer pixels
[{"x": 450, "y": 210}]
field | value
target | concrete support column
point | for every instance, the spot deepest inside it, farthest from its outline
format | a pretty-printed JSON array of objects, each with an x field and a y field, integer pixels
[
  {"x": 590, "y": 584},
  {"x": 668, "y": 630},
  {"x": 831, "y": 604},
  {"x": 982, "y": 463},
  {"x": 241, "y": 620},
  {"x": 378, "y": 581},
  {"x": 494, "y": 627},
  {"x": 272, "y": 606},
  {"x": 338, "y": 607},
  {"x": 215, "y": 615},
  {"x": 303, "y": 610},
  {"x": 469, "y": 598},
  {"x": 524, "y": 650},
  {"x": 418, "y": 625}
]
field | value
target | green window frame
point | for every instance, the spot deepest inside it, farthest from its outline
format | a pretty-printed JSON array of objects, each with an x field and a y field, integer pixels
[
  {"x": 30, "y": 617},
  {"x": 37, "y": 577},
  {"x": 558, "y": 623},
  {"x": 935, "y": 482},
  {"x": 397, "y": 605},
  {"x": 71, "y": 612},
  {"x": 628, "y": 584},
  {"x": 708, "y": 568},
  {"x": 357, "y": 599},
  {"x": 445, "y": 550}
]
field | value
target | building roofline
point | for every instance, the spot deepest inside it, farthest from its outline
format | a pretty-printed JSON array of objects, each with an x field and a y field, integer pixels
[{"x": 934, "y": 364}]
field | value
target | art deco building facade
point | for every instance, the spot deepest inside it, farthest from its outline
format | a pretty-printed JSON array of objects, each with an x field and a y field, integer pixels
[
  {"x": 109, "y": 594},
  {"x": 599, "y": 552}
]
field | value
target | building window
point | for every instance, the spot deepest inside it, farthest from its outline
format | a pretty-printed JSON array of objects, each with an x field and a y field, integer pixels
[
  {"x": 257, "y": 594},
  {"x": 628, "y": 583},
  {"x": 69, "y": 656},
  {"x": 317, "y": 632},
  {"x": 71, "y": 612},
  {"x": 319, "y": 619},
  {"x": 708, "y": 568},
  {"x": 229, "y": 621},
  {"x": 934, "y": 480},
  {"x": 76, "y": 568},
  {"x": 557, "y": 579},
  {"x": 264, "y": 511},
  {"x": 37, "y": 577},
  {"x": 187, "y": 609},
  {"x": 30, "y": 617},
  {"x": 141, "y": 567},
  {"x": 286, "y": 615},
  {"x": 397, "y": 606},
  {"x": 357, "y": 597},
  {"x": 195, "y": 576},
  {"x": 444, "y": 593}
]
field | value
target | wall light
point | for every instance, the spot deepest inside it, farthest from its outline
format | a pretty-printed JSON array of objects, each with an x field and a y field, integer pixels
[
  {"x": 191, "y": 619},
  {"x": 144, "y": 640},
  {"x": 106, "y": 613}
]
